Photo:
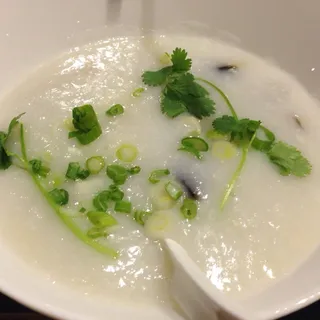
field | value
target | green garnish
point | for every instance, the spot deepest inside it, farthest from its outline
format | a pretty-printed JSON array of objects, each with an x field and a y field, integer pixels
[
  {"x": 194, "y": 145},
  {"x": 173, "y": 190},
  {"x": 74, "y": 172},
  {"x": 118, "y": 174},
  {"x": 127, "y": 153},
  {"x": 134, "y": 170},
  {"x": 123, "y": 206},
  {"x": 95, "y": 164},
  {"x": 101, "y": 219},
  {"x": 101, "y": 200},
  {"x": 5, "y": 157},
  {"x": 189, "y": 209},
  {"x": 289, "y": 160},
  {"x": 38, "y": 168},
  {"x": 141, "y": 216},
  {"x": 157, "y": 174},
  {"x": 55, "y": 198},
  {"x": 96, "y": 232},
  {"x": 86, "y": 124},
  {"x": 245, "y": 132},
  {"x": 180, "y": 92},
  {"x": 137, "y": 93},
  {"x": 59, "y": 196},
  {"x": 115, "y": 194},
  {"x": 82, "y": 210},
  {"x": 240, "y": 131},
  {"x": 115, "y": 110}
]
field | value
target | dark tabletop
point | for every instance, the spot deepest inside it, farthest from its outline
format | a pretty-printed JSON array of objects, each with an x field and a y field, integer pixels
[{"x": 10, "y": 310}]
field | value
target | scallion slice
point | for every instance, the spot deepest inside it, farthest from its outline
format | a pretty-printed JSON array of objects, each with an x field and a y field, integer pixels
[
  {"x": 137, "y": 93},
  {"x": 117, "y": 173},
  {"x": 141, "y": 216},
  {"x": 96, "y": 232},
  {"x": 157, "y": 174},
  {"x": 86, "y": 123},
  {"x": 101, "y": 219},
  {"x": 173, "y": 190},
  {"x": 115, "y": 110},
  {"x": 95, "y": 164},
  {"x": 127, "y": 153},
  {"x": 101, "y": 200},
  {"x": 115, "y": 194},
  {"x": 189, "y": 209},
  {"x": 74, "y": 172},
  {"x": 194, "y": 145},
  {"x": 134, "y": 170},
  {"x": 123, "y": 206},
  {"x": 82, "y": 210},
  {"x": 59, "y": 196}
]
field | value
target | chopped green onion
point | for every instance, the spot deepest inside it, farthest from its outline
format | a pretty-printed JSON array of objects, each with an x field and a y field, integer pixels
[
  {"x": 141, "y": 216},
  {"x": 134, "y": 170},
  {"x": 38, "y": 168},
  {"x": 173, "y": 190},
  {"x": 189, "y": 209},
  {"x": 137, "y": 93},
  {"x": 59, "y": 196},
  {"x": 117, "y": 173},
  {"x": 101, "y": 200},
  {"x": 86, "y": 123},
  {"x": 82, "y": 210},
  {"x": 96, "y": 232},
  {"x": 160, "y": 198},
  {"x": 101, "y": 219},
  {"x": 159, "y": 224},
  {"x": 95, "y": 164},
  {"x": 123, "y": 206},
  {"x": 115, "y": 194},
  {"x": 157, "y": 174},
  {"x": 115, "y": 110},
  {"x": 127, "y": 153},
  {"x": 194, "y": 145},
  {"x": 74, "y": 172}
]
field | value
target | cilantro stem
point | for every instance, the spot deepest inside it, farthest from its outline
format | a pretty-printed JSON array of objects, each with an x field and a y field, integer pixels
[
  {"x": 68, "y": 221},
  {"x": 237, "y": 173},
  {"x": 222, "y": 94}
]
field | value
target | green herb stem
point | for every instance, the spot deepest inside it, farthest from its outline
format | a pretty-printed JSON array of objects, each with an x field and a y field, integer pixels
[
  {"x": 222, "y": 94},
  {"x": 237, "y": 173},
  {"x": 65, "y": 219}
]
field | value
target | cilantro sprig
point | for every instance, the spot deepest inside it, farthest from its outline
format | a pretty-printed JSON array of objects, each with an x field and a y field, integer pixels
[
  {"x": 180, "y": 91},
  {"x": 245, "y": 133}
]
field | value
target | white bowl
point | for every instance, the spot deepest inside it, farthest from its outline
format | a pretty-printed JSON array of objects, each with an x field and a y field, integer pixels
[{"x": 33, "y": 31}]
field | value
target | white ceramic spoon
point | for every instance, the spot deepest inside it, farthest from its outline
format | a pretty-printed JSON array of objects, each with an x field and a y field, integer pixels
[{"x": 196, "y": 295}]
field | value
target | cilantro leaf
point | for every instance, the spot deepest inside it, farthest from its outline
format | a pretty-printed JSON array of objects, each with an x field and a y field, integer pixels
[
  {"x": 180, "y": 61},
  {"x": 240, "y": 131},
  {"x": 289, "y": 160},
  {"x": 199, "y": 107},
  {"x": 172, "y": 108},
  {"x": 180, "y": 91},
  {"x": 156, "y": 78}
]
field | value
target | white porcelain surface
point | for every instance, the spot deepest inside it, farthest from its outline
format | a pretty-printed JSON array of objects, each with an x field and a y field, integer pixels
[{"x": 33, "y": 31}]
